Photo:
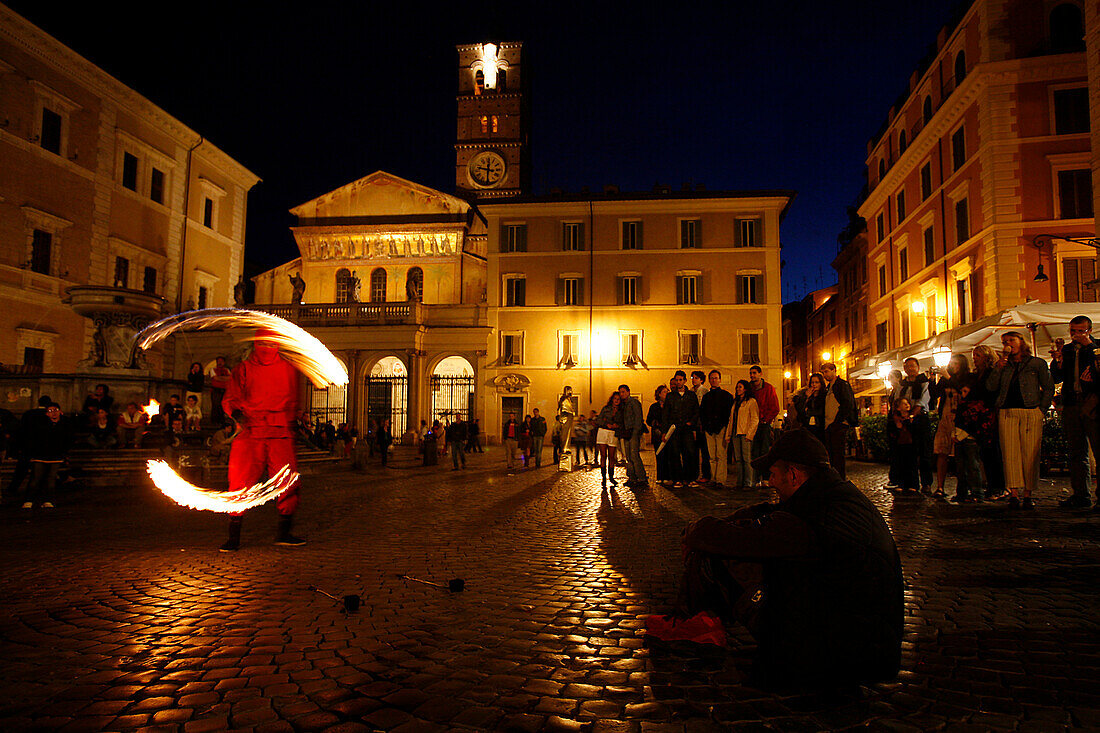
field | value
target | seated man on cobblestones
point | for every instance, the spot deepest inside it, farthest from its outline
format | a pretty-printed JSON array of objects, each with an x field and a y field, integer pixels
[{"x": 816, "y": 578}]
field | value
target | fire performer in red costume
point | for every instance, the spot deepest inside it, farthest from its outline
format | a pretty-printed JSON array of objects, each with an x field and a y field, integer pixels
[{"x": 263, "y": 399}]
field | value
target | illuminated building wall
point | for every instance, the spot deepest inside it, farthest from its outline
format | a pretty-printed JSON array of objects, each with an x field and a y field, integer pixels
[
  {"x": 93, "y": 184},
  {"x": 988, "y": 148},
  {"x": 594, "y": 291}
]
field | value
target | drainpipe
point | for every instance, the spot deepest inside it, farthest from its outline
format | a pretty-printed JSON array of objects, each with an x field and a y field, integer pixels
[
  {"x": 591, "y": 289},
  {"x": 183, "y": 238}
]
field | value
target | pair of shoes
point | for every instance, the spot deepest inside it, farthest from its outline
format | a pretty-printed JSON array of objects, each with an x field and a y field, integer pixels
[
  {"x": 695, "y": 485},
  {"x": 47, "y": 505},
  {"x": 28, "y": 505},
  {"x": 938, "y": 494},
  {"x": 1013, "y": 502},
  {"x": 1028, "y": 503},
  {"x": 1075, "y": 502},
  {"x": 231, "y": 545}
]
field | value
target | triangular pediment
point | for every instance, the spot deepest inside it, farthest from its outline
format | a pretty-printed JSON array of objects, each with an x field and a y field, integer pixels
[{"x": 381, "y": 194}]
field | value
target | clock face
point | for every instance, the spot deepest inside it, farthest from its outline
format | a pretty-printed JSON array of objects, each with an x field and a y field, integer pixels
[{"x": 486, "y": 169}]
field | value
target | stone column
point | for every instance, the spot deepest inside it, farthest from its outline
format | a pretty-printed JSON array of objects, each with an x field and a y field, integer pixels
[{"x": 352, "y": 414}]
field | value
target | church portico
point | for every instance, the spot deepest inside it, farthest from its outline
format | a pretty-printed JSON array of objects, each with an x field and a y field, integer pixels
[{"x": 391, "y": 278}]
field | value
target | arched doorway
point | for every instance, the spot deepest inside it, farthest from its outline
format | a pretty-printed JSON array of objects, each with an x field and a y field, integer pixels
[
  {"x": 388, "y": 394},
  {"x": 452, "y": 389}
]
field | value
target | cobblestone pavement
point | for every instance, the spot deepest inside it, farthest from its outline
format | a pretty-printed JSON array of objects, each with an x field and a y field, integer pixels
[{"x": 120, "y": 614}]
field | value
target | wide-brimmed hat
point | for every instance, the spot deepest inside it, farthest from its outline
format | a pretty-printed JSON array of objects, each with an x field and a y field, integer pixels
[{"x": 794, "y": 446}]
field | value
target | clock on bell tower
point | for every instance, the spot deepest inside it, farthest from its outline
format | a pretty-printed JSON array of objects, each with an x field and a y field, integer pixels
[{"x": 492, "y": 155}]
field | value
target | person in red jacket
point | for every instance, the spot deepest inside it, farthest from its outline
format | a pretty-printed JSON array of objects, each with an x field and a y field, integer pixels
[
  {"x": 263, "y": 398},
  {"x": 768, "y": 402}
]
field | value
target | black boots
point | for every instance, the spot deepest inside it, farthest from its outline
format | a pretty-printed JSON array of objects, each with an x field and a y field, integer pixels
[
  {"x": 234, "y": 542},
  {"x": 285, "y": 537}
]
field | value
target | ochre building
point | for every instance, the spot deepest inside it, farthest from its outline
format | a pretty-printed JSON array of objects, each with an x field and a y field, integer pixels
[{"x": 112, "y": 212}]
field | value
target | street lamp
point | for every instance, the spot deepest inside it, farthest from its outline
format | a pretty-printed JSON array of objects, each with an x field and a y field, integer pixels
[
  {"x": 941, "y": 356},
  {"x": 884, "y": 369},
  {"x": 826, "y": 355},
  {"x": 786, "y": 375},
  {"x": 1039, "y": 240}
]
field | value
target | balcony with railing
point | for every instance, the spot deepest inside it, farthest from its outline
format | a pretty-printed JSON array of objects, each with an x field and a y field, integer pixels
[{"x": 408, "y": 313}]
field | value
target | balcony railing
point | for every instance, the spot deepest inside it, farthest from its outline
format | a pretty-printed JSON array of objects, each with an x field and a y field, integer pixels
[{"x": 350, "y": 314}]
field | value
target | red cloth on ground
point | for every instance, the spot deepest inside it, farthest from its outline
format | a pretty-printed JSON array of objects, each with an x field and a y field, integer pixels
[{"x": 702, "y": 628}]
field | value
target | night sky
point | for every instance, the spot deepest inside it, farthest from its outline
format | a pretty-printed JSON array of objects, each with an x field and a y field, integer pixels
[{"x": 311, "y": 96}]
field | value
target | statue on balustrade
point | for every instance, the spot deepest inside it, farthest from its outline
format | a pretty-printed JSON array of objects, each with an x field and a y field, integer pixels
[
  {"x": 239, "y": 293},
  {"x": 355, "y": 288},
  {"x": 299, "y": 286}
]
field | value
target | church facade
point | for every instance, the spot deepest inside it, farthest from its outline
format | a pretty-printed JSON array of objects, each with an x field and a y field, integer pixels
[{"x": 491, "y": 300}]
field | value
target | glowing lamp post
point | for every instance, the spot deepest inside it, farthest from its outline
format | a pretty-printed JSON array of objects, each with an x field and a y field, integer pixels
[
  {"x": 826, "y": 355},
  {"x": 941, "y": 356}
]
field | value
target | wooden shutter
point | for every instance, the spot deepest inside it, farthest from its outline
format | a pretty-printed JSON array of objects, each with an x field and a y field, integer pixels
[
  {"x": 640, "y": 240},
  {"x": 1073, "y": 281}
]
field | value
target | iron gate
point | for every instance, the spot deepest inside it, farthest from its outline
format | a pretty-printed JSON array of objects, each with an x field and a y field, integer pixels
[
  {"x": 452, "y": 395},
  {"x": 328, "y": 404},
  {"x": 388, "y": 397}
]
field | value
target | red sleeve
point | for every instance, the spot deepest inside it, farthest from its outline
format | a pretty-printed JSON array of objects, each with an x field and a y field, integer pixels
[
  {"x": 235, "y": 393},
  {"x": 769, "y": 406}
]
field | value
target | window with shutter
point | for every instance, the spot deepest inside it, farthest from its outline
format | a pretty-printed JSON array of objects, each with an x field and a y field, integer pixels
[
  {"x": 515, "y": 291},
  {"x": 1080, "y": 274},
  {"x": 962, "y": 221},
  {"x": 129, "y": 171},
  {"x": 958, "y": 149},
  {"x": 929, "y": 246},
  {"x": 1071, "y": 111},
  {"x": 690, "y": 347},
  {"x": 629, "y": 290},
  {"x": 689, "y": 234},
  {"x": 513, "y": 238},
  {"x": 1075, "y": 194},
  {"x": 882, "y": 332},
  {"x": 925, "y": 181},
  {"x": 748, "y": 233},
  {"x": 750, "y": 348},
  {"x": 122, "y": 272},
  {"x": 632, "y": 235},
  {"x": 41, "y": 244},
  {"x": 572, "y": 239}
]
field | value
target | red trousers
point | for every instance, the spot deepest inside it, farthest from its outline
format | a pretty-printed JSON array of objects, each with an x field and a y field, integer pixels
[{"x": 248, "y": 459}]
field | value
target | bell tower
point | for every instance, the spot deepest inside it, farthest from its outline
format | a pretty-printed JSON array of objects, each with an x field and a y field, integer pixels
[{"x": 492, "y": 153}]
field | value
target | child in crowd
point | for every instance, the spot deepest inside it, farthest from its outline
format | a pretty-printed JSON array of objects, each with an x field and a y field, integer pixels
[
  {"x": 192, "y": 412},
  {"x": 902, "y": 429},
  {"x": 975, "y": 427}
]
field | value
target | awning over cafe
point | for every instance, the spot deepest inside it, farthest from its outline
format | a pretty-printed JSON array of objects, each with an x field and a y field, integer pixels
[{"x": 1044, "y": 322}]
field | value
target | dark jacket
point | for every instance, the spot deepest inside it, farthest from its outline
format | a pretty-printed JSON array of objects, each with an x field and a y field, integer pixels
[
  {"x": 456, "y": 432},
  {"x": 48, "y": 440},
  {"x": 847, "y": 400},
  {"x": 833, "y": 605},
  {"x": 633, "y": 425},
  {"x": 681, "y": 410},
  {"x": 1063, "y": 373},
  {"x": 610, "y": 418},
  {"x": 538, "y": 427},
  {"x": 504, "y": 429},
  {"x": 653, "y": 420},
  {"x": 1036, "y": 386},
  {"x": 714, "y": 411},
  {"x": 808, "y": 406}
]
